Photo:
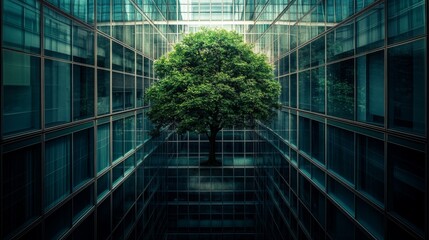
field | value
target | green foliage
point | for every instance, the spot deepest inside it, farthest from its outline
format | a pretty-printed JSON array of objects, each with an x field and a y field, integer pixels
[{"x": 212, "y": 80}]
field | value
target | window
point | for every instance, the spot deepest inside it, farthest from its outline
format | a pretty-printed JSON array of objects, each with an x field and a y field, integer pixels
[
  {"x": 103, "y": 51},
  {"x": 343, "y": 196},
  {"x": 370, "y": 164},
  {"x": 103, "y": 185},
  {"x": 340, "y": 42},
  {"x": 57, "y": 92},
  {"x": 21, "y": 186},
  {"x": 21, "y": 88},
  {"x": 293, "y": 90},
  {"x": 103, "y": 16},
  {"x": 406, "y": 19},
  {"x": 406, "y": 81},
  {"x": 318, "y": 141},
  {"x": 83, "y": 92},
  {"x": 57, "y": 170},
  {"x": 59, "y": 222},
  {"x": 370, "y": 29},
  {"x": 318, "y": 52},
  {"x": 83, "y": 149},
  {"x": 139, "y": 92},
  {"x": 304, "y": 90},
  {"x": 304, "y": 135},
  {"x": 340, "y": 77},
  {"x": 103, "y": 92},
  {"x": 338, "y": 225},
  {"x": 117, "y": 57},
  {"x": 370, "y": 218},
  {"x": 406, "y": 191},
  {"x": 129, "y": 133},
  {"x": 84, "y": 10},
  {"x": 341, "y": 153},
  {"x": 370, "y": 88},
  {"x": 284, "y": 96},
  {"x": 83, "y": 44},
  {"x": 82, "y": 202},
  {"x": 58, "y": 35},
  {"x": 304, "y": 57},
  {"x": 103, "y": 147},
  {"x": 118, "y": 139},
  {"x": 129, "y": 91},
  {"x": 318, "y": 90},
  {"x": 21, "y": 22},
  {"x": 117, "y": 92}
]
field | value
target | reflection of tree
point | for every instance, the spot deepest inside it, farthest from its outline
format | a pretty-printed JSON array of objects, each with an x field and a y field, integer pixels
[
  {"x": 318, "y": 90},
  {"x": 340, "y": 90}
]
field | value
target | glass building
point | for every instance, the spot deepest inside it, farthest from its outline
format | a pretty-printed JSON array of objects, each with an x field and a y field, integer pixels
[{"x": 345, "y": 158}]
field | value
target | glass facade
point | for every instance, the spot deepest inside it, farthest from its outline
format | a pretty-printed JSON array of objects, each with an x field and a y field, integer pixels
[{"x": 344, "y": 158}]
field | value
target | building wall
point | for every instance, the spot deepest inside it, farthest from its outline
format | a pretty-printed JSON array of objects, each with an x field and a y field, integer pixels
[
  {"x": 77, "y": 161},
  {"x": 348, "y": 152}
]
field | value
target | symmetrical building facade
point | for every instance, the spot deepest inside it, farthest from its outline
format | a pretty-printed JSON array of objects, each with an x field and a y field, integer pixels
[{"x": 345, "y": 158}]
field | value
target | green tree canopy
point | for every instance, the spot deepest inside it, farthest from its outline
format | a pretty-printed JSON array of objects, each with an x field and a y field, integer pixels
[{"x": 211, "y": 80}]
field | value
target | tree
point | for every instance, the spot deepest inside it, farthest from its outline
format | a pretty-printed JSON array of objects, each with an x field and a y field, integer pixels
[{"x": 211, "y": 80}]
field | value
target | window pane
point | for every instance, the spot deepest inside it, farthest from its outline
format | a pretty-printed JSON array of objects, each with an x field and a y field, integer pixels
[
  {"x": 318, "y": 90},
  {"x": 343, "y": 196},
  {"x": 340, "y": 77},
  {"x": 84, "y": 10},
  {"x": 304, "y": 90},
  {"x": 406, "y": 77},
  {"x": 83, "y": 148},
  {"x": 318, "y": 52},
  {"x": 103, "y": 51},
  {"x": 103, "y": 147},
  {"x": 57, "y": 92},
  {"x": 304, "y": 57},
  {"x": 82, "y": 202},
  {"x": 103, "y": 15},
  {"x": 338, "y": 225},
  {"x": 21, "y": 22},
  {"x": 340, "y": 42},
  {"x": 129, "y": 91},
  {"x": 318, "y": 141},
  {"x": 293, "y": 90},
  {"x": 341, "y": 153},
  {"x": 370, "y": 218},
  {"x": 58, "y": 34},
  {"x": 129, "y": 133},
  {"x": 83, "y": 92},
  {"x": 370, "y": 88},
  {"x": 117, "y": 92},
  {"x": 103, "y": 92},
  {"x": 62, "y": 4},
  {"x": 140, "y": 92},
  {"x": 284, "y": 96},
  {"x": 406, "y": 19},
  {"x": 129, "y": 60},
  {"x": 370, "y": 163},
  {"x": 83, "y": 45},
  {"x": 370, "y": 29},
  {"x": 407, "y": 184},
  {"x": 59, "y": 222},
  {"x": 103, "y": 185},
  {"x": 118, "y": 139},
  {"x": 117, "y": 57},
  {"x": 304, "y": 135},
  {"x": 20, "y": 183},
  {"x": 57, "y": 170},
  {"x": 21, "y": 88}
]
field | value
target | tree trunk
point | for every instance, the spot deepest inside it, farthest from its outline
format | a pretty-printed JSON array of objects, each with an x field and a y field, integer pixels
[{"x": 212, "y": 151}]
